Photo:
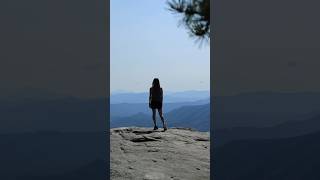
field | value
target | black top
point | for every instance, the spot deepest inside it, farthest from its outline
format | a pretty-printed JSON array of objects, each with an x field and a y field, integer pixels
[{"x": 155, "y": 94}]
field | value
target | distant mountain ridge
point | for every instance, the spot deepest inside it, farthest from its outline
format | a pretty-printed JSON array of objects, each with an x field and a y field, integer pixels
[
  {"x": 171, "y": 97},
  {"x": 64, "y": 114},
  {"x": 76, "y": 114},
  {"x": 128, "y": 109},
  {"x": 283, "y": 130},
  {"x": 263, "y": 109},
  {"x": 267, "y": 135},
  {"x": 193, "y": 116}
]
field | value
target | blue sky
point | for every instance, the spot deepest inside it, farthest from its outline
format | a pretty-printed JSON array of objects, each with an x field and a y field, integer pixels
[{"x": 146, "y": 42}]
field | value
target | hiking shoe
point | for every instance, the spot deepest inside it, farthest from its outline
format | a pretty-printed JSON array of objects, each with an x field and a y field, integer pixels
[
  {"x": 165, "y": 127},
  {"x": 155, "y": 128}
]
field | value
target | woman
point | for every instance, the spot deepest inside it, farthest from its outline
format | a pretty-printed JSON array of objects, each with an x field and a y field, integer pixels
[{"x": 155, "y": 102}]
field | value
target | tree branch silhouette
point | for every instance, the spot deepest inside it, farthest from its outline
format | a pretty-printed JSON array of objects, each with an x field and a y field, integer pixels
[{"x": 195, "y": 16}]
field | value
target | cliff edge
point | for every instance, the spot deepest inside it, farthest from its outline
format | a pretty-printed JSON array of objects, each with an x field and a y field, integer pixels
[{"x": 176, "y": 154}]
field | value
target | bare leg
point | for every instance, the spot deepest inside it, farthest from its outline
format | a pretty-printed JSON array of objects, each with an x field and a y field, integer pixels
[
  {"x": 154, "y": 119},
  {"x": 162, "y": 119}
]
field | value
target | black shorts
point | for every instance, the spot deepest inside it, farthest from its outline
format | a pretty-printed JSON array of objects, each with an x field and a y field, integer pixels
[{"x": 156, "y": 105}]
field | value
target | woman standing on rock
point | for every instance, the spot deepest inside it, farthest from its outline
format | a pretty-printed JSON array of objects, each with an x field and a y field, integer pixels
[{"x": 155, "y": 102}]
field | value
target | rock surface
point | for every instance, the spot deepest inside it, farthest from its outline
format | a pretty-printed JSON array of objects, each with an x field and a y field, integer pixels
[{"x": 144, "y": 154}]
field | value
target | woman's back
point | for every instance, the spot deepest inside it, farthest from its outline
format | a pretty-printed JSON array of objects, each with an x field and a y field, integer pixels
[{"x": 156, "y": 94}]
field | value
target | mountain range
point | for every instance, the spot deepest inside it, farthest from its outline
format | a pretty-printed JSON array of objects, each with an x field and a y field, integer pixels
[
  {"x": 274, "y": 132},
  {"x": 192, "y": 116},
  {"x": 169, "y": 97},
  {"x": 128, "y": 109},
  {"x": 263, "y": 109},
  {"x": 283, "y": 130}
]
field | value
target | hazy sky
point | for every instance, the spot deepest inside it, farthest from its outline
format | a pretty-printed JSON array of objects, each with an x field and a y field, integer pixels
[{"x": 146, "y": 42}]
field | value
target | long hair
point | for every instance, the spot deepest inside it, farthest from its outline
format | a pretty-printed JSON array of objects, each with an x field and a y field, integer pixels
[{"x": 156, "y": 83}]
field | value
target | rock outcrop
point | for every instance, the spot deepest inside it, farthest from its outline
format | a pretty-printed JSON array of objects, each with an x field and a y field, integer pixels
[{"x": 177, "y": 154}]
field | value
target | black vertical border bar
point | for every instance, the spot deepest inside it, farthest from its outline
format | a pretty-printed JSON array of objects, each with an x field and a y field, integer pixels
[
  {"x": 107, "y": 76},
  {"x": 212, "y": 37}
]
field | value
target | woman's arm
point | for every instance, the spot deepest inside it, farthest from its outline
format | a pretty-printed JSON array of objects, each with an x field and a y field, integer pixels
[
  {"x": 161, "y": 94},
  {"x": 149, "y": 95},
  {"x": 150, "y": 98}
]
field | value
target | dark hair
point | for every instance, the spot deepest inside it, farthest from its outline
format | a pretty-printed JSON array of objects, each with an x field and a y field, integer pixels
[{"x": 156, "y": 83}]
